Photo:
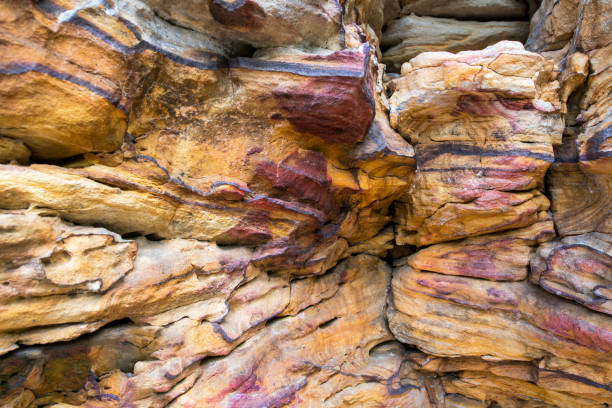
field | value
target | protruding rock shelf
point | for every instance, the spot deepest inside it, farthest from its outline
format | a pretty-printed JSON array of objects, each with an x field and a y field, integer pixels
[{"x": 334, "y": 203}]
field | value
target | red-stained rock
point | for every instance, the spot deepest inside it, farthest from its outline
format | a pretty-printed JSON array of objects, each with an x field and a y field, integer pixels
[
  {"x": 484, "y": 130},
  {"x": 330, "y": 349},
  {"x": 577, "y": 268},
  {"x": 200, "y": 201},
  {"x": 458, "y": 316},
  {"x": 318, "y": 108},
  {"x": 502, "y": 256}
]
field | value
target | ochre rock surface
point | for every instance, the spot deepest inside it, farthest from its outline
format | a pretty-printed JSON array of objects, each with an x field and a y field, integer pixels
[
  {"x": 483, "y": 124},
  {"x": 334, "y": 203}
]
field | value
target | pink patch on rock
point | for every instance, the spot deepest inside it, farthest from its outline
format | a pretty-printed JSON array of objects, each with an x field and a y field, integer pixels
[
  {"x": 303, "y": 174},
  {"x": 251, "y": 229},
  {"x": 337, "y": 109},
  {"x": 584, "y": 333},
  {"x": 501, "y": 297}
]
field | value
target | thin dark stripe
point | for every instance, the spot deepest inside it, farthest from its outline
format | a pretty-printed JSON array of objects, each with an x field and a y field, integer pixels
[{"x": 24, "y": 67}]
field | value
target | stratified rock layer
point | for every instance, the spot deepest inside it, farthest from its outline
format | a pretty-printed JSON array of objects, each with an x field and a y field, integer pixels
[
  {"x": 483, "y": 124},
  {"x": 511, "y": 318},
  {"x": 236, "y": 204},
  {"x": 411, "y": 35}
]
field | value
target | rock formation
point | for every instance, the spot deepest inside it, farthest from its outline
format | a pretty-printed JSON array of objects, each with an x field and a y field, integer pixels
[{"x": 356, "y": 203}]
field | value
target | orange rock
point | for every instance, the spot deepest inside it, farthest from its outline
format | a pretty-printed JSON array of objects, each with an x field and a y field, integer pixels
[
  {"x": 484, "y": 141},
  {"x": 454, "y": 316},
  {"x": 578, "y": 268},
  {"x": 199, "y": 202}
]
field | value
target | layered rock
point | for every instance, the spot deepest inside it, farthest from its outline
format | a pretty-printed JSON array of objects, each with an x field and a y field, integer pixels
[
  {"x": 200, "y": 203},
  {"x": 162, "y": 136},
  {"x": 483, "y": 124},
  {"x": 504, "y": 256},
  {"x": 468, "y": 9},
  {"x": 505, "y": 321},
  {"x": 459, "y": 25},
  {"x": 292, "y": 164},
  {"x": 497, "y": 317},
  {"x": 469, "y": 381},
  {"x": 411, "y": 35},
  {"x": 578, "y": 268},
  {"x": 580, "y": 180},
  {"x": 324, "y": 346}
]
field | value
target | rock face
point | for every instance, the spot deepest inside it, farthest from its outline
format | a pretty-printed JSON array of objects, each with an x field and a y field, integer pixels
[
  {"x": 411, "y": 35},
  {"x": 483, "y": 125},
  {"x": 236, "y": 204},
  {"x": 451, "y": 25},
  {"x": 510, "y": 317}
]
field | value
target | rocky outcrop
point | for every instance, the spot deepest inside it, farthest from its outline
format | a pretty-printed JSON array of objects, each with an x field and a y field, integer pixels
[
  {"x": 483, "y": 124},
  {"x": 577, "y": 268},
  {"x": 580, "y": 181},
  {"x": 411, "y": 35},
  {"x": 457, "y": 25},
  {"x": 468, "y": 9},
  {"x": 237, "y": 204},
  {"x": 493, "y": 314}
]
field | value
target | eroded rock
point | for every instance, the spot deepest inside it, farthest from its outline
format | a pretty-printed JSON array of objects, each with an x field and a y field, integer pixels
[
  {"x": 411, "y": 35},
  {"x": 454, "y": 316},
  {"x": 481, "y": 152},
  {"x": 200, "y": 201}
]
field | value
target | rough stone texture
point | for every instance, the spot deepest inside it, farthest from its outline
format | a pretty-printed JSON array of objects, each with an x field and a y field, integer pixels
[
  {"x": 236, "y": 204},
  {"x": 411, "y": 35},
  {"x": 578, "y": 268},
  {"x": 13, "y": 151},
  {"x": 467, "y": 9},
  {"x": 534, "y": 329},
  {"x": 505, "y": 321},
  {"x": 483, "y": 124},
  {"x": 581, "y": 180}
]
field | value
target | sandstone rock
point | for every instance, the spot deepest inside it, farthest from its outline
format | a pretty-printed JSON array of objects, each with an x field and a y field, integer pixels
[
  {"x": 468, "y": 381},
  {"x": 258, "y": 23},
  {"x": 78, "y": 105},
  {"x": 581, "y": 201},
  {"x": 481, "y": 152},
  {"x": 199, "y": 203},
  {"x": 553, "y": 25},
  {"x": 578, "y": 268},
  {"x": 580, "y": 180},
  {"x": 73, "y": 274},
  {"x": 12, "y": 150},
  {"x": 392, "y": 9},
  {"x": 179, "y": 123},
  {"x": 502, "y": 256},
  {"x": 505, "y": 321},
  {"x": 562, "y": 27},
  {"x": 305, "y": 175},
  {"x": 467, "y": 9},
  {"x": 411, "y": 35},
  {"x": 330, "y": 350}
]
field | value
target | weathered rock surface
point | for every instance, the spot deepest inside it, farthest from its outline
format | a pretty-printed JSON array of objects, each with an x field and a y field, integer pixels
[
  {"x": 483, "y": 124},
  {"x": 488, "y": 333},
  {"x": 580, "y": 181},
  {"x": 467, "y": 9},
  {"x": 457, "y": 25},
  {"x": 502, "y": 256},
  {"x": 578, "y": 268},
  {"x": 454, "y": 316},
  {"x": 236, "y": 204},
  {"x": 328, "y": 348},
  {"x": 411, "y": 35}
]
